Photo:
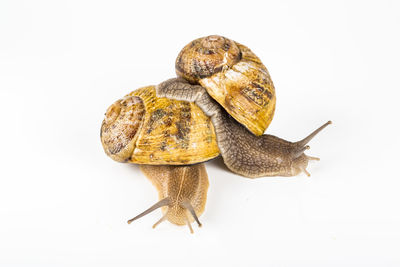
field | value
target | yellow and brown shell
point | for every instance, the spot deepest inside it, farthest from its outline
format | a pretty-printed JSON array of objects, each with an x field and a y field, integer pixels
[
  {"x": 234, "y": 76},
  {"x": 141, "y": 128}
]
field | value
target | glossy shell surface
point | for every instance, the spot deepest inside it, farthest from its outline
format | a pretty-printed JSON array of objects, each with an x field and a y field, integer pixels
[
  {"x": 234, "y": 76},
  {"x": 144, "y": 129}
]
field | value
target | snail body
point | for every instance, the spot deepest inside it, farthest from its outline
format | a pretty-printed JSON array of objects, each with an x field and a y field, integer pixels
[
  {"x": 141, "y": 128},
  {"x": 243, "y": 152},
  {"x": 182, "y": 192},
  {"x": 233, "y": 76}
]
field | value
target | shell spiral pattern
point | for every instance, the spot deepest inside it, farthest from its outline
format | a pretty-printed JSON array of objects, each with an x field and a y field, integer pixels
[
  {"x": 144, "y": 129},
  {"x": 234, "y": 76}
]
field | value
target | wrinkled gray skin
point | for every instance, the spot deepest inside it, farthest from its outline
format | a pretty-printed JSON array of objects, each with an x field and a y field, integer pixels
[{"x": 243, "y": 153}]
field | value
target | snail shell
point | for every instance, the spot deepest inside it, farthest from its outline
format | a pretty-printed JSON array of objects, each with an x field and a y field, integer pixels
[
  {"x": 141, "y": 128},
  {"x": 234, "y": 76}
]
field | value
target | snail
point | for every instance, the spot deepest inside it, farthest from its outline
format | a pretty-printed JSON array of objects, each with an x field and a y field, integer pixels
[
  {"x": 221, "y": 103},
  {"x": 141, "y": 128},
  {"x": 243, "y": 152},
  {"x": 233, "y": 76},
  {"x": 182, "y": 191}
]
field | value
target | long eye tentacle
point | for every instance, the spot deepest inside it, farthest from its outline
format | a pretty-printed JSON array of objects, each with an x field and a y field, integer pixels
[
  {"x": 307, "y": 139},
  {"x": 186, "y": 204},
  {"x": 298, "y": 153},
  {"x": 159, "y": 204}
]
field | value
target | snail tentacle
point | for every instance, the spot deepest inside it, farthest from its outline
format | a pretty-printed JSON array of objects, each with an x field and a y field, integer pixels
[
  {"x": 307, "y": 139},
  {"x": 186, "y": 204},
  {"x": 163, "y": 202},
  {"x": 163, "y": 218},
  {"x": 189, "y": 224}
]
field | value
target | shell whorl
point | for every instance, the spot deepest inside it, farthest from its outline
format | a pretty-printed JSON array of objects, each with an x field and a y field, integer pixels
[
  {"x": 121, "y": 124},
  {"x": 142, "y": 128},
  {"x": 234, "y": 76},
  {"x": 205, "y": 56}
]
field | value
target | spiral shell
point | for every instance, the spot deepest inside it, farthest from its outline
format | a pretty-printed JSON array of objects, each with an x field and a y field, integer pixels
[
  {"x": 144, "y": 129},
  {"x": 234, "y": 76}
]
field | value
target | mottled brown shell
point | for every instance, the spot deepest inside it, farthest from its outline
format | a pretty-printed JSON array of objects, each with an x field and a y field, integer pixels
[
  {"x": 233, "y": 76},
  {"x": 144, "y": 129}
]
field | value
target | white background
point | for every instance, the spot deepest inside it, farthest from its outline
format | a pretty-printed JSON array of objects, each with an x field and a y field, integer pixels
[{"x": 63, "y": 202}]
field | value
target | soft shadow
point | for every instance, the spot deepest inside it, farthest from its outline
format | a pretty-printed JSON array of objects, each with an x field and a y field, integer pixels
[
  {"x": 133, "y": 166},
  {"x": 218, "y": 163},
  {"x": 134, "y": 170}
]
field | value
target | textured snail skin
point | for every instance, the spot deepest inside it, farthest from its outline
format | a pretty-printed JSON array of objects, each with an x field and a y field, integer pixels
[
  {"x": 243, "y": 153},
  {"x": 233, "y": 76},
  {"x": 144, "y": 129},
  {"x": 182, "y": 191}
]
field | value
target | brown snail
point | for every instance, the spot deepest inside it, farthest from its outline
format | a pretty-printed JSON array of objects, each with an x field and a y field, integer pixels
[
  {"x": 181, "y": 122},
  {"x": 233, "y": 76}
]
